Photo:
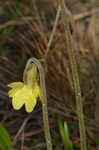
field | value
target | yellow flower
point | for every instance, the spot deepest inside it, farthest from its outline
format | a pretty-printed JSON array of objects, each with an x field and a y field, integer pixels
[
  {"x": 23, "y": 94},
  {"x": 27, "y": 92}
]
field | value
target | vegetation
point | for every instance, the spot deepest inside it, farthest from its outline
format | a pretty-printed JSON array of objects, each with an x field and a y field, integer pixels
[{"x": 60, "y": 38}]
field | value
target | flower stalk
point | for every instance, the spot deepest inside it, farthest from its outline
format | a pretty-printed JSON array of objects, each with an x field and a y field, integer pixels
[
  {"x": 73, "y": 63},
  {"x": 27, "y": 93},
  {"x": 44, "y": 101}
]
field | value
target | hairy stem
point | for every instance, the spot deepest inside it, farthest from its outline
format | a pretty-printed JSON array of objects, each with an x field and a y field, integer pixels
[
  {"x": 44, "y": 102},
  {"x": 72, "y": 58}
]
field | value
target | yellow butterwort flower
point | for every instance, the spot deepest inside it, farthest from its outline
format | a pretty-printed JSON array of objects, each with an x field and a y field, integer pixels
[
  {"x": 26, "y": 93},
  {"x": 22, "y": 94}
]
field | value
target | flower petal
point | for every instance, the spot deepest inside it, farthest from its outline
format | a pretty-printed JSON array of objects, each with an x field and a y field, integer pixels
[
  {"x": 32, "y": 99},
  {"x": 37, "y": 92},
  {"x": 30, "y": 104},
  {"x": 17, "y": 103},
  {"x": 21, "y": 96},
  {"x": 12, "y": 92},
  {"x": 16, "y": 85}
]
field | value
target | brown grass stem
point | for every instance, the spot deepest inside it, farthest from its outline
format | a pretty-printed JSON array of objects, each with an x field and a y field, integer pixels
[{"x": 53, "y": 32}]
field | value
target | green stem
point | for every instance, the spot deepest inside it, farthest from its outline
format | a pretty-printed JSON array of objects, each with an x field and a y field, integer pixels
[
  {"x": 73, "y": 63},
  {"x": 44, "y": 103}
]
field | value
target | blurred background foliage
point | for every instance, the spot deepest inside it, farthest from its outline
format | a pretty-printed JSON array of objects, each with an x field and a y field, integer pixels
[
  {"x": 25, "y": 28},
  {"x": 5, "y": 140}
]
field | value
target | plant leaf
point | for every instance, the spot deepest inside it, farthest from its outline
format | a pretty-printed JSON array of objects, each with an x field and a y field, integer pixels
[{"x": 5, "y": 140}]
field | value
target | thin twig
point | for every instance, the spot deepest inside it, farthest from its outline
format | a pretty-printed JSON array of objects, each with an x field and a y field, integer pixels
[
  {"x": 53, "y": 32},
  {"x": 73, "y": 63},
  {"x": 21, "y": 129}
]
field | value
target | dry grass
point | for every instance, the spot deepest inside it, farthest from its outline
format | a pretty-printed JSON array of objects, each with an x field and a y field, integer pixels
[{"x": 30, "y": 36}]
